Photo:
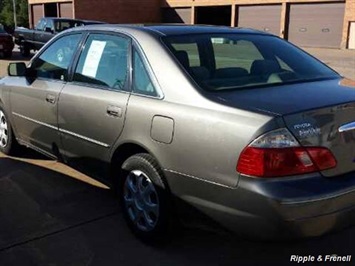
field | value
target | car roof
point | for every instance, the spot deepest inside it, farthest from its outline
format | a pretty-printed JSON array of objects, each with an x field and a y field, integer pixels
[
  {"x": 62, "y": 18},
  {"x": 76, "y": 20},
  {"x": 93, "y": 21},
  {"x": 173, "y": 29}
]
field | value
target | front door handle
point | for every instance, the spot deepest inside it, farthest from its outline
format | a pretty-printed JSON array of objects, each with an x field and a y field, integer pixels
[
  {"x": 114, "y": 111},
  {"x": 50, "y": 98}
]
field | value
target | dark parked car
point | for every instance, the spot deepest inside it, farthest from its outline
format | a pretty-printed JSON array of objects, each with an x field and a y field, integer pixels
[
  {"x": 45, "y": 29},
  {"x": 6, "y": 44},
  {"x": 232, "y": 125}
]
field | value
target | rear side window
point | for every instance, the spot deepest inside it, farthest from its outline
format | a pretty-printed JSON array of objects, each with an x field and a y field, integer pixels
[
  {"x": 142, "y": 84},
  {"x": 104, "y": 61}
]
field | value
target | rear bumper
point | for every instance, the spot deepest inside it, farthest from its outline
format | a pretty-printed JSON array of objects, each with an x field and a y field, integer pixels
[{"x": 272, "y": 209}]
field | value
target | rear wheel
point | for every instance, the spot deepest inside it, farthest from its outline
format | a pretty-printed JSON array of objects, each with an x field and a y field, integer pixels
[
  {"x": 144, "y": 198},
  {"x": 7, "y": 138}
]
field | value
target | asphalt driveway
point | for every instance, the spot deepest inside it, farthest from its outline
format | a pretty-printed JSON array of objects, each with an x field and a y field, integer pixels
[{"x": 53, "y": 215}]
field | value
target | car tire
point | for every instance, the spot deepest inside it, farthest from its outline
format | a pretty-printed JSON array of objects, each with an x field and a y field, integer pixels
[
  {"x": 8, "y": 143},
  {"x": 25, "y": 49},
  {"x": 145, "y": 199},
  {"x": 8, "y": 54}
]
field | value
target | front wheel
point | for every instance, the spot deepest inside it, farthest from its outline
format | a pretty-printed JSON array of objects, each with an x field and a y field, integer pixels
[
  {"x": 7, "y": 138},
  {"x": 25, "y": 49},
  {"x": 144, "y": 198},
  {"x": 8, "y": 54}
]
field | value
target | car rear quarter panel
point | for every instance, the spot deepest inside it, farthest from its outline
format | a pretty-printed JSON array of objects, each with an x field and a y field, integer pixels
[
  {"x": 207, "y": 136},
  {"x": 206, "y": 141}
]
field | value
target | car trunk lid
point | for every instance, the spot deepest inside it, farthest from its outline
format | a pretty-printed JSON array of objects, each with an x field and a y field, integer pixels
[
  {"x": 332, "y": 127},
  {"x": 315, "y": 112}
]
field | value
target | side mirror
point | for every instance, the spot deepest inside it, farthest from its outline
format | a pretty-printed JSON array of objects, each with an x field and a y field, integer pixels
[
  {"x": 48, "y": 29},
  {"x": 17, "y": 69}
]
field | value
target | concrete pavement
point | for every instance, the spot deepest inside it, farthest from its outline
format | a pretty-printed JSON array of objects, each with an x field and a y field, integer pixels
[{"x": 342, "y": 61}]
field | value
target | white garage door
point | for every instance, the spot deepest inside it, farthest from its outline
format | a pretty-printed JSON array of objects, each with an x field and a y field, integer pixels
[
  {"x": 316, "y": 25},
  {"x": 262, "y": 17}
]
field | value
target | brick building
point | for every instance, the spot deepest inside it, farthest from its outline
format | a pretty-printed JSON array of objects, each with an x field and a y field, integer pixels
[
  {"x": 112, "y": 11},
  {"x": 311, "y": 23}
]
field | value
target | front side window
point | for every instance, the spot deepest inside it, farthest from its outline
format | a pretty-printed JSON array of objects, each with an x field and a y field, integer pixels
[
  {"x": 142, "y": 83},
  {"x": 40, "y": 25},
  {"x": 61, "y": 25},
  {"x": 50, "y": 25},
  {"x": 104, "y": 61},
  {"x": 54, "y": 62},
  {"x": 238, "y": 61}
]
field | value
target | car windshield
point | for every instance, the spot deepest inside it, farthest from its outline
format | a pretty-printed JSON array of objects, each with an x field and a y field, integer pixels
[
  {"x": 2, "y": 30},
  {"x": 238, "y": 61}
]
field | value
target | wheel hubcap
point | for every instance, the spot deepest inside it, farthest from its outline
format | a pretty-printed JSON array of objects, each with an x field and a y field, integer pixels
[
  {"x": 3, "y": 130},
  {"x": 141, "y": 200}
]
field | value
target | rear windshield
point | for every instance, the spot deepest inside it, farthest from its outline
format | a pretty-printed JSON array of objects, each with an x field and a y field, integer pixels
[{"x": 236, "y": 61}]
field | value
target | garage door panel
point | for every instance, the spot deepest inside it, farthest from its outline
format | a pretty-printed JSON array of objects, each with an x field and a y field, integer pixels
[
  {"x": 264, "y": 18},
  {"x": 316, "y": 25},
  {"x": 66, "y": 10},
  {"x": 37, "y": 13},
  {"x": 177, "y": 15}
]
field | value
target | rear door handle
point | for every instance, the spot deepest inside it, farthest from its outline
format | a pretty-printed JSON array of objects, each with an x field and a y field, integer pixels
[
  {"x": 50, "y": 98},
  {"x": 114, "y": 111}
]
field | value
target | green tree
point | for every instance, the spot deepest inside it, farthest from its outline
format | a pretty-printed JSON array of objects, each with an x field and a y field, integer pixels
[
  {"x": 7, "y": 15},
  {"x": 22, "y": 13}
]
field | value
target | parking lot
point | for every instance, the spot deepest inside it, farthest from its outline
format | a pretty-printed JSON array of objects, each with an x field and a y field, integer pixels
[{"x": 51, "y": 214}]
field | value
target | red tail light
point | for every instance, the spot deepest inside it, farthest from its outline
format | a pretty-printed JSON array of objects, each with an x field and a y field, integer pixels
[
  {"x": 266, "y": 162},
  {"x": 6, "y": 38},
  {"x": 322, "y": 157},
  {"x": 278, "y": 154}
]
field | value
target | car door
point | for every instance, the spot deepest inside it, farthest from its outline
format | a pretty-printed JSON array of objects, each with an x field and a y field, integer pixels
[
  {"x": 92, "y": 107},
  {"x": 48, "y": 32},
  {"x": 38, "y": 34},
  {"x": 34, "y": 101},
  {"x": 32, "y": 35}
]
